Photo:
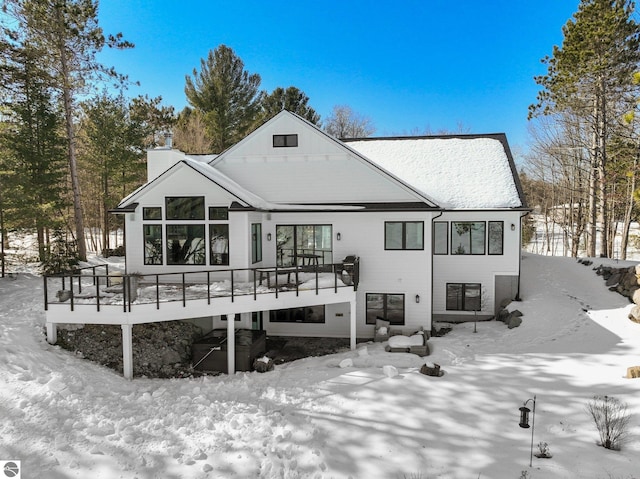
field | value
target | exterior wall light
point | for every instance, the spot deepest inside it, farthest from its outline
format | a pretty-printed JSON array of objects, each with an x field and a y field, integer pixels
[
  {"x": 513, "y": 227},
  {"x": 338, "y": 236},
  {"x": 268, "y": 236},
  {"x": 417, "y": 298},
  {"x": 524, "y": 422}
]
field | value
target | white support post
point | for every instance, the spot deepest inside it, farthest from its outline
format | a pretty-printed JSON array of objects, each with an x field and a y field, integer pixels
[
  {"x": 352, "y": 321},
  {"x": 52, "y": 333},
  {"x": 231, "y": 344},
  {"x": 127, "y": 350}
]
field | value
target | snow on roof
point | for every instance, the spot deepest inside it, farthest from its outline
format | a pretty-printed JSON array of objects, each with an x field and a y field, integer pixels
[{"x": 457, "y": 172}]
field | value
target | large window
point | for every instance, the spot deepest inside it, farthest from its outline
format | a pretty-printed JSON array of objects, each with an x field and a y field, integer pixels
[
  {"x": 185, "y": 207},
  {"x": 219, "y": 239},
  {"x": 496, "y": 237},
  {"x": 467, "y": 237},
  {"x": 256, "y": 242},
  {"x": 387, "y": 306},
  {"x": 464, "y": 297},
  {"x": 308, "y": 314},
  {"x": 185, "y": 244},
  {"x": 303, "y": 245},
  {"x": 440, "y": 237},
  {"x": 152, "y": 244},
  {"x": 404, "y": 235}
]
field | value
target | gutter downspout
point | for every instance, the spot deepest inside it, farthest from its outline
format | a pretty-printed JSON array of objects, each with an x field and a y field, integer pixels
[
  {"x": 432, "y": 268},
  {"x": 517, "y": 298}
]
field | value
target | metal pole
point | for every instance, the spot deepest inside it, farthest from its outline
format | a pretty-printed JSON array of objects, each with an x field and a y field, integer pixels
[{"x": 533, "y": 425}]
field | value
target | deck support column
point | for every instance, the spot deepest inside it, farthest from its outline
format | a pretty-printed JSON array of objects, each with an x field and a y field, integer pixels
[
  {"x": 352, "y": 321},
  {"x": 127, "y": 350},
  {"x": 231, "y": 344},
  {"x": 52, "y": 333}
]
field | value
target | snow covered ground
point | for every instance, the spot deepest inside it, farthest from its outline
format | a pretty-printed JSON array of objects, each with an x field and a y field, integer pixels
[{"x": 64, "y": 417}]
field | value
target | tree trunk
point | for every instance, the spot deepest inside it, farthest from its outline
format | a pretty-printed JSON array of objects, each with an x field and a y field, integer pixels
[{"x": 73, "y": 167}]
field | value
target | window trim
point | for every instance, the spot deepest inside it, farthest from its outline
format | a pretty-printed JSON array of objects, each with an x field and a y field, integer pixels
[
  {"x": 291, "y": 314},
  {"x": 404, "y": 236},
  {"x": 147, "y": 216},
  {"x": 446, "y": 242},
  {"x": 289, "y": 140},
  {"x": 167, "y": 200},
  {"x": 464, "y": 295},
  {"x": 489, "y": 238},
  {"x": 212, "y": 216},
  {"x": 213, "y": 254},
  {"x": 470, "y": 253},
  {"x": 144, "y": 244},
  {"x": 256, "y": 243},
  {"x": 385, "y": 308}
]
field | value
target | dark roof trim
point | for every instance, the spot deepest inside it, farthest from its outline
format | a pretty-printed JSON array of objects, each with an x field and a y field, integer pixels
[{"x": 130, "y": 208}]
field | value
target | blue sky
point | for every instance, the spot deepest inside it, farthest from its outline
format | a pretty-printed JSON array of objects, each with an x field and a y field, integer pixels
[{"x": 409, "y": 65}]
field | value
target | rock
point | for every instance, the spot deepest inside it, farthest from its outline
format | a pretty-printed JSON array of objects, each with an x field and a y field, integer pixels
[
  {"x": 634, "y": 314},
  {"x": 505, "y": 302},
  {"x": 390, "y": 371},
  {"x": 635, "y": 297},
  {"x": 516, "y": 313},
  {"x": 613, "y": 279},
  {"x": 503, "y": 315},
  {"x": 633, "y": 372},
  {"x": 514, "y": 322},
  {"x": 346, "y": 363},
  {"x": 431, "y": 370}
]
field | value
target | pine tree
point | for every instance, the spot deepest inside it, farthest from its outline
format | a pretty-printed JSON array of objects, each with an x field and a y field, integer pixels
[
  {"x": 67, "y": 36},
  {"x": 291, "y": 99},
  {"x": 226, "y": 94},
  {"x": 590, "y": 75},
  {"x": 33, "y": 159}
]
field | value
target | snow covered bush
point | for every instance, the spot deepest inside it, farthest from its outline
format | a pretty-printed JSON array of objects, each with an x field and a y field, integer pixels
[
  {"x": 60, "y": 256},
  {"x": 612, "y": 420}
]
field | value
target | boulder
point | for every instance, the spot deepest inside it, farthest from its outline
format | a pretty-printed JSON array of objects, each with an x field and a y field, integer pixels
[
  {"x": 637, "y": 269},
  {"x": 633, "y": 372},
  {"x": 634, "y": 314},
  {"x": 431, "y": 370},
  {"x": 635, "y": 297},
  {"x": 346, "y": 363},
  {"x": 613, "y": 279},
  {"x": 514, "y": 322},
  {"x": 503, "y": 315},
  {"x": 390, "y": 371}
]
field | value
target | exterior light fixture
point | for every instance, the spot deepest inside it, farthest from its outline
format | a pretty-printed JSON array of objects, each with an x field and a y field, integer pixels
[
  {"x": 513, "y": 227},
  {"x": 338, "y": 236},
  {"x": 417, "y": 298},
  {"x": 524, "y": 422},
  {"x": 268, "y": 236}
]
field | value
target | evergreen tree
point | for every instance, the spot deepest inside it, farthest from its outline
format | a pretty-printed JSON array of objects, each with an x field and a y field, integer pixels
[
  {"x": 226, "y": 94},
  {"x": 291, "y": 99},
  {"x": 33, "y": 160},
  {"x": 590, "y": 75},
  {"x": 67, "y": 37}
]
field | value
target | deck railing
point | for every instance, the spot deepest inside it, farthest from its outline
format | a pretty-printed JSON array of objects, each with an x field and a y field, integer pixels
[{"x": 72, "y": 283}]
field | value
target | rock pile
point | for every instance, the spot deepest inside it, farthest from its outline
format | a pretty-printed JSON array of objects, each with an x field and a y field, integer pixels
[
  {"x": 512, "y": 319},
  {"x": 625, "y": 282},
  {"x": 160, "y": 350}
]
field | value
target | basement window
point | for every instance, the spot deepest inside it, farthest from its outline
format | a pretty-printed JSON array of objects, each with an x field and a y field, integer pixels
[{"x": 280, "y": 141}]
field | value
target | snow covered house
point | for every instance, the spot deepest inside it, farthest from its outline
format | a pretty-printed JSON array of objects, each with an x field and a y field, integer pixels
[{"x": 314, "y": 236}]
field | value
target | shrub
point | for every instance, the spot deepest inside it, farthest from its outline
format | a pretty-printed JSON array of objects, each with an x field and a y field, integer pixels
[
  {"x": 612, "y": 420},
  {"x": 60, "y": 256}
]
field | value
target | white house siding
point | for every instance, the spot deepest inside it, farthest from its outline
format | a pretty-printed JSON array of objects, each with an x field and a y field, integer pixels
[
  {"x": 483, "y": 269},
  {"x": 381, "y": 271},
  {"x": 183, "y": 181},
  {"x": 318, "y": 170}
]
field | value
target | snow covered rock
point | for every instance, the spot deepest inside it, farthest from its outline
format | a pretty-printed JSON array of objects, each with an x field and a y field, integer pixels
[{"x": 390, "y": 371}]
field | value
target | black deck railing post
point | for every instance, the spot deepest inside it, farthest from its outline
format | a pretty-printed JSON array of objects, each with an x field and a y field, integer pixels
[
  {"x": 79, "y": 282},
  {"x": 317, "y": 285},
  {"x": 157, "y": 291},
  {"x": 276, "y": 281},
  {"x": 232, "y": 286},
  {"x": 96, "y": 281},
  {"x": 46, "y": 294},
  {"x": 72, "y": 298},
  {"x": 255, "y": 285},
  {"x": 208, "y": 287},
  {"x": 184, "y": 292}
]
